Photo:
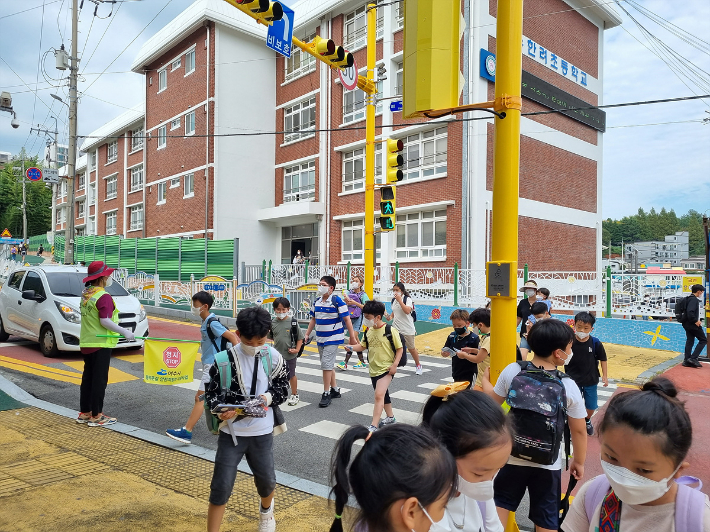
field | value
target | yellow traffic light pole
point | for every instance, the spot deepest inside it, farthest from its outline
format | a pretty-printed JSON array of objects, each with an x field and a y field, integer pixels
[{"x": 370, "y": 154}]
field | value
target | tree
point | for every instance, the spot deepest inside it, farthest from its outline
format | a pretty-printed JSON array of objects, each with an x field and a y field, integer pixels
[{"x": 39, "y": 200}]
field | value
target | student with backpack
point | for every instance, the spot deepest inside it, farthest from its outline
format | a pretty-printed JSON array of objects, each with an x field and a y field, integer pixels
[
  {"x": 688, "y": 313},
  {"x": 402, "y": 479},
  {"x": 385, "y": 350},
  {"x": 259, "y": 381},
  {"x": 588, "y": 354},
  {"x": 545, "y": 406},
  {"x": 215, "y": 338},
  {"x": 645, "y": 437},
  {"x": 288, "y": 341},
  {"x": 403, "y": 317},
  {"x": 481, "y": 319},
  {"x": 462, "y": 346},
  {"x": 355, "y": 299},
  {"x": 479, "y": 435}
]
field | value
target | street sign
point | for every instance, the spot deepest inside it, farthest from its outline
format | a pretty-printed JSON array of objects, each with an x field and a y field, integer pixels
[
  {"x": 280, "y": 34},
  {"x": 395, "y": 107},
  {"x": 6, "y": 234},
  {"x": 11, "y": 241},
  {"x": 349, "y": 77},
  {"x": 34, "y": 174},
  {"x": 50, "y": 175}
]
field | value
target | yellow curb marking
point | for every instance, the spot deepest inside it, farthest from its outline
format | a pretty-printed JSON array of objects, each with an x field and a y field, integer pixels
[{"x": 58, "y": 374}]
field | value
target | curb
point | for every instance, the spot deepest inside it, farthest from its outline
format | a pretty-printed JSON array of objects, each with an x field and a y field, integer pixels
[
  {"x": 660, "y": 368},
  {"x": 285, "y": 479}
]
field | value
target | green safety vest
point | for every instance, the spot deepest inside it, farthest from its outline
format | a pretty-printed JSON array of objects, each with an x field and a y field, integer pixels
[{"x": 91, "y": 325}]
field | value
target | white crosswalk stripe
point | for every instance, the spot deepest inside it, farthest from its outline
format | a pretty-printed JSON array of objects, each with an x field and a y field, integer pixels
[
  {"x": 402, "y": 416},
  {"x": 286, "y": 408},
  {"x": 414, "y": 397},
  {"x": 328, "y": 429},
  {"x": 314, "y": 387},
  {"x": 345, "y": 377}
]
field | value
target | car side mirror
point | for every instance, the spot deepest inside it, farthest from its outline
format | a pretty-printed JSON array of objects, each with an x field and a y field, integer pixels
[{"x": 32, "y": 296}]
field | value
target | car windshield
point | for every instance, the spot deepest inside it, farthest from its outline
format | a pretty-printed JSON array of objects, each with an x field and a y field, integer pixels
[{"x": 68, "y": 284}]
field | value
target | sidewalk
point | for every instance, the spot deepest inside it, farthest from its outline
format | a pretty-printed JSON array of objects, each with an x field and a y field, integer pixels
[{"x": 58, "y": 475}]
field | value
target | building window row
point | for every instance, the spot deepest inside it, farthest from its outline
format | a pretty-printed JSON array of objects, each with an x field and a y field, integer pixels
[
  {"x": 300, "y": 62},
  {"x": 425, "y": 154},
  {"x": 355, "y": 30},
  {"x": 300, "y": 120},
  {"x": 421, "y": 235},
  {"x": 300, "y": 182},
  {"x": 188, "y": 190},
  {"x": 189, "y": 69},
  {"x": 354, "y": 238},
  {"x": 354, "y": 169}
]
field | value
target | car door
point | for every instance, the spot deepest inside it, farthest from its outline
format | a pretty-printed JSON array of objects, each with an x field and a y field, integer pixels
[
  {"x": 30, "y": 310},
  {"x": 11, "y": 301}
]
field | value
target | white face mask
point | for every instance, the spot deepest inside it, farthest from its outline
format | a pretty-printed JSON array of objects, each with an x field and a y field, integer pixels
[
  {"x": 538, "y": 297},
  {"x": 355, "y": 285},
  {"x": 635, "y": 489},
  {"x": 251, "y": 350},
  {"x": 582, "y": 335},
  {"x": 282, "y": 315},
  {"x": 196, "y": 310},
  {"x": 442, "y": 525},
  {"x": 368, "y": 323},
  {"x": 322, "y": 290},
  {"x": 569, "y": 358},
  {"x": 109, "y": 282},
  {"x": 478, "y": 491},
  {"x": 530, "y": 292}
]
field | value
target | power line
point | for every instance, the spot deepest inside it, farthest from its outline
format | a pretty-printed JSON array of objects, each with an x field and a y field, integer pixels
[
  {"x": 39, "y": 58},
  {"x": 30, "y": 9},
  {"x": 100, "y": 39}
]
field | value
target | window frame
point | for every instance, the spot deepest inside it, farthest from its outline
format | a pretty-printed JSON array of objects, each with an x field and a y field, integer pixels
[
  {"x": 137, "y": 139},
  {"x": 81, "y": 209},
  {"x": 189, "y": 178},
  {"x": 421, "y": 169},
  {"x": 177, "y": 63},
  {"x": 93, "y": 159},
  {"x": 112, "y": 179},
  {"x": 297, "y": 110},
  {"x": 305, "y": 68},
  {"x": 190, "y": 120},
  {"x": 114, "y": 216},
  {"x": 162, "y": 193},
  {"x": 91, "y": 192},
  {"x": 163, "y": 137},
  {"x": 357, "y": 184},
  {"x": 162, "y": 80},
  {"x": 112, "y": 158},
  {"x": 407, "y": 248},
  {"x": 137, "y": 185},
  {"x": 139, "y": 220},
  {"x": 302, "y": 192},
  {"x": 190, "y": 59},
  {"x": 82, "y": 181},
  {"x": 353, "y": 226},
  {"x": 358, "y": 38},
  {"x": 173, "y": 183},
  {"x": 175, "y": 123}
]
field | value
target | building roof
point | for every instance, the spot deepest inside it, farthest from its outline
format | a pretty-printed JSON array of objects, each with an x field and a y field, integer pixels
[
  {"x": 113, "y": 127},
  {"x": 188, "y": 21},
  {"x": 80, "y": 165}
]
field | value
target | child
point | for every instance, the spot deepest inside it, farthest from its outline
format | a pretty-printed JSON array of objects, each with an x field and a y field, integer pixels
[
  {"x": 481, "y": 318},
  {"x": 645, "y": 436},
  {"x": 543, "y": 294},
  {"x": 355, "y": 299},
  {"x": 524, "y": 311},
  {"x": 383, "y": 356},
  {"x": 584, "y": 369},
  {"x": 464, "y": 344},
  {"x": 210, "y": 345},
  {"x": 250, "y": 436},
  {"x": 480, "y": 436},
  {"x": 286, "y": 343},
  {"x": 538, "y": 312},
  {"x": 551, "y": 341},
  {"x": 402, "y": 317},
  {"x": 402, "y": 478}
]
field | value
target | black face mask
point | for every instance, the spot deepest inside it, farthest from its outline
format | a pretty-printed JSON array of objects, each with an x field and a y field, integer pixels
[{"x": 460, "y": 330}]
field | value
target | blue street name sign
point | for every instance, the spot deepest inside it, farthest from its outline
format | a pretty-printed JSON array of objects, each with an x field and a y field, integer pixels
[
  {"x": 280, "y": 34},
  {"x": 395, "y": 106}
]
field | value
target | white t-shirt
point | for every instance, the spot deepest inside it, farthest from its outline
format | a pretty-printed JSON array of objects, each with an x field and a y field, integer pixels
[
  {"x": 254, "y": 426},
  {"x": 634, "y": 518},
  {"x": 575, "y": 409},
  {"x": 403, "y": 322},
  {"x": 464, "y": 511}
]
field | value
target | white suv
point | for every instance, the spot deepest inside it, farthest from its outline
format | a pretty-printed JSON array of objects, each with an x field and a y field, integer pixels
[{"x": 41, "y": 303}]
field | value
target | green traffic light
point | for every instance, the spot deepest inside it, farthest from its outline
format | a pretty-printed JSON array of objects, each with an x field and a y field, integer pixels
[
  {"x": 387, "y": 223},
  {"x": 387, "y": 207}
]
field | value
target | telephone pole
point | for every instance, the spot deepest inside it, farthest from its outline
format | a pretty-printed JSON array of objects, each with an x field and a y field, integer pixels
[
  {"x": 39, "y": 129},
  {"x": 24, "y": 199},
  {"x": 71, "y": 163}
]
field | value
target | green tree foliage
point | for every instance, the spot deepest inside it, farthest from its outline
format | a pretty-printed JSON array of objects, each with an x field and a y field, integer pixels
[
  {"x": 39, "y": 200},
  {"x": 654, "y": 225}
]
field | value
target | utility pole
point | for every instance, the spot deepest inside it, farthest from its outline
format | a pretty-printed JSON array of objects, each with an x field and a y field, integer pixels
[
  {"x": 71, "y": 163},
  {"x": 24, "y": 199},
  {"x": 39, "y": 130}
]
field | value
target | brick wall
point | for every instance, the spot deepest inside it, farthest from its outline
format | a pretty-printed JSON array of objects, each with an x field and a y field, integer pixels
[{"x": 553, "y": 246}]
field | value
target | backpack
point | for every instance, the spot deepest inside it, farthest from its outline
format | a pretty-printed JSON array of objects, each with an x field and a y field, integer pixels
[
  {"x": 538, "y": 406},
  {"x": 689, "y": 510},
  {"x": 224, "y": 344},
  {"x": 388, "y": 335},
  {"x": 413, "y": 314},
  {"x": 681, "y": 309},
  {"x": 294, "y": 336}
]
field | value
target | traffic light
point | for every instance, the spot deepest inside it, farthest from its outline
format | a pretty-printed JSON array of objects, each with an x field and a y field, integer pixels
[
  {"x": 388, "y": 197},
  {"x": 264, "y": 11},
  {"x": 432, "y": 58},
  {"x": 394, "y": 161},
  {"x": 334, "y": 55}
]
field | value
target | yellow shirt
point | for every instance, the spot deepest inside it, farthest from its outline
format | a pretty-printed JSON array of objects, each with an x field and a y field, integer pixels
[
  {"x": 380, "y": 354},
  {"x": 485, "y": 343}
]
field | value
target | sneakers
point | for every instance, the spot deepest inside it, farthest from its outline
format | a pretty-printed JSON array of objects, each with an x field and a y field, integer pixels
[
  {"x": 101, "y": 421},
  {"x": 342, "y": 366},
  {"x": 360, "y": 365},
  {"x": 372, "y": 428},
  {"x": 387, "y": 421},
  {"x": 267, "y": 522},
  {"x": 83, "y": 418},
  {"x": 590, "y": 427},
  {"x": 690, "y": 363},
  {"x": 324, "y": 400},
  {"x": 419, "y": 369},
  {"x": 183, "y": 435},
  {"x": 293, "y": 400},
  {"x": 335, "y": 394}
]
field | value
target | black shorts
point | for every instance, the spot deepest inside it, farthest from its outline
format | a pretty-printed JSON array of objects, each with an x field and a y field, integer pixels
[
  {"x": 544, "y": 487},
  {"x": 374, "y": 385}
]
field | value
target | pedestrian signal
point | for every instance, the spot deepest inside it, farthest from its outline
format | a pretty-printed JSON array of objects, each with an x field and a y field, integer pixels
[
  {"x": 394, "y": 161},
  {"x": 387, "y": 208}
]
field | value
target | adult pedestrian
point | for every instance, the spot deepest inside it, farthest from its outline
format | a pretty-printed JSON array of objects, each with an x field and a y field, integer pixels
[
  {"x": 524, "y": 312},
  {"x": 23, "y": 251},
  {"x": 403, "y": 321},
  {"x": 298, "y": 258},
  {"x": 40, "y": 251},
  {"x": 99, "y": 319},
  {"x": 693, "y": 329}
]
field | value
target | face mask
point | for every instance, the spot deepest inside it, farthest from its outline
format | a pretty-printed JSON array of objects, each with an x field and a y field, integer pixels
[
  {"x": 478, "y": 491},
  {"x": 581, "y": 335},
  {"x": 355, "y": 285},
  {"x": 397, "y": 294},
  {"x": 442, "y": 525},
  {"x": 460, "y": 330},
  {"x": 632, "y": 488},
  {"x": 282, "y": 315},
  {"x": 569, "y": 358},
  {"x": 530, "y": 293},
  {"x": 251, "y": 350},
  {"x": 538, "y": 297},
  {"x": 196, "y": 310},
  {"x": 322, "y": 290},
  {"x": 109, "y": 282},
  {"x": 368, "y": 323}
]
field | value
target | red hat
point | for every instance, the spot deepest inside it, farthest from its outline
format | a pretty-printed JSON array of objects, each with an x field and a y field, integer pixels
[{"x": 97, "y": 269}]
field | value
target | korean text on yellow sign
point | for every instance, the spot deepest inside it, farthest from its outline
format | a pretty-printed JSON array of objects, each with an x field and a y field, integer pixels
[
  {"x": 169, "y": 363},
  {"x": 689, "y": 281}
]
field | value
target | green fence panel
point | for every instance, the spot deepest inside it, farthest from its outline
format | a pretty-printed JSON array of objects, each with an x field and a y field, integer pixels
[
  {"x": 146, "y": 255},
  {"x": 128, "y": 254},
  {"x": 192, "y": 259},
  {"x": 59, "y": 249},
  {"x": 112, "y": 246},
  {"x": 99, "y": 248},
  {"x": 37, "y": 240},
  {"x": 220, "y": 258},
  {"x": 79, "y": 248},
  {"x": 168, "y": 261}
]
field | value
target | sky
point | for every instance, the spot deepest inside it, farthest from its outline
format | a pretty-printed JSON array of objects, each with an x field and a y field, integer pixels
[{"x": 664, "y": 165}]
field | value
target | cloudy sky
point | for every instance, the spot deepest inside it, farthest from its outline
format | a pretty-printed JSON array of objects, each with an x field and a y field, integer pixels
[{"x": 663, "y": 165}]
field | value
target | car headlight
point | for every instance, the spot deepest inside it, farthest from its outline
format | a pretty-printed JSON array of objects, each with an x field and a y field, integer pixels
[
  {"x": 68, "y": 313},
  {"x": 141, "y": 314}
]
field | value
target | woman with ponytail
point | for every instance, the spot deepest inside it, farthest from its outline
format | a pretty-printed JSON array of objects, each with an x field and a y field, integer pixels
[{"x": 402, "y": 479}]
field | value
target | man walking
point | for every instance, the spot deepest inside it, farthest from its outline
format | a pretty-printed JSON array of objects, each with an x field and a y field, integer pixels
[{"x": 693, "y": 329}]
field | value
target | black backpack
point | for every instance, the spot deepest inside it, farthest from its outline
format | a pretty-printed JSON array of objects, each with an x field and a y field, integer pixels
[
  {"x": 388, "y": 335},
  {"x": 224, "y": 344},
  {"x": 681, "y": 309},
  {"x": 538, "y": 407},
  {"x": 413, "y": 314},
  {"x": 294, "y": 336}
]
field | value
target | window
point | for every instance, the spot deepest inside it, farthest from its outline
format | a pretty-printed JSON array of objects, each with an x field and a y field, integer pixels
[
  {"x": 353, "y": 240},
  {"x": 111, "y": 187},
  {"x": 421, "y": 235},
  {"x": 161, "y": 193},
  {"x": 175, "y": 123},
  {"x": 137, "y": 178},
  {"x": 354, "y": 169},
  {"x": 190, "y": 62},
  {"x": 111, "y": 151},
  {"x": 15, "y": 280},
  {"x": 176, "y": 64},
  {"x": 175, "y": 182},
  {"x": 137, "y": 139},
  {"x": 92, "y": 160},
  {"x": 425, "y": 154},
  {"x": 59, "y": 216},
  {"x": 34, "y": 282},
  {"x": 300, "y": 62},
  {"x": 355, "y": 30},
  {"x": 189, "y": 185},
  {"x": 136, "y": 217},
  {"x": 92, "y": 194},
  {"x": 190, "y": 123},
  {"x": 82, "y": 181},
  {"x": 80, "y": 231},
  {"x": 162, "y": 137},
  {"x": 355, "y": 103},
  {"x": 300, "y": 182},
  {"x": 92, "y": 226},
  {"x": 111, "y": 223},
  {"x": 81, "y": 209},
  {"x": 63, "y": 189},
  {"x": 399, "y": 77},
  {"x": 162, "y": 80},
  {"x": 399, "y": 15},
  {"x": 298, "y": 119}
]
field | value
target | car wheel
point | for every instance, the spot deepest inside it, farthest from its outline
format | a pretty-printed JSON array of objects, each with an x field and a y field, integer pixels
[
  {"x": 48, "y": 342},
  {"x": 3, "y": 335}
]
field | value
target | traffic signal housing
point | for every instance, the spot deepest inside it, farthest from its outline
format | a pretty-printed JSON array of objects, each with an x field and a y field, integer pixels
[
  {"x": 388, "y": 196},
  {"x": 334, "y": 55},
  {"x": 264, "y": 11},
  {"x": 395, "y": 160}
]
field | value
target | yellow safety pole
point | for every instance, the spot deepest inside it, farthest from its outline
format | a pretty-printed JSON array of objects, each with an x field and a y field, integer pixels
[{"x": 370, "y": 154}]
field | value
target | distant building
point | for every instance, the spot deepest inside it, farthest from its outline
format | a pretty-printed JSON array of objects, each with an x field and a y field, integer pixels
[
  {"x": 616, "y": 265},
  {"x": 693, "y": 263},
  {"x": 671, "y": 251},
  {"x": 56, "y": 153},
  {"x": 4, "y": 158}
]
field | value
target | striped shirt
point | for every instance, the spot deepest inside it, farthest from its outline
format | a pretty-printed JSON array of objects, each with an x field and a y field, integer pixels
[{"x": 329, "y": 321}]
